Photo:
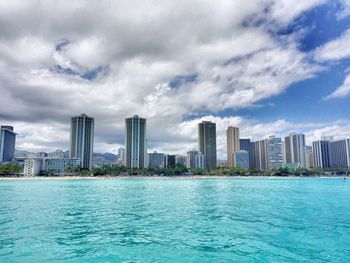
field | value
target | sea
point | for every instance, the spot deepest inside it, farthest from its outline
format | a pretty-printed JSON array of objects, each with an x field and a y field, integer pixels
[{"x": 175, "y": 220}]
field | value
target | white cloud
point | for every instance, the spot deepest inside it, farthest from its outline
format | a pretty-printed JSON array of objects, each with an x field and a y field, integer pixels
[
  {"x": 27, "y": 50},
  {"x": 180, "y": 138},
  {"x": 146, "y": 45},
  {"x": 341, "y": 91},
  {"x": 287, "y": 10},
  {"x": 338, "y": 130},
  {"x": 335, "y": 49},
  {"x": 187, "y": 132},
  {"x": 346, "y": 9}
]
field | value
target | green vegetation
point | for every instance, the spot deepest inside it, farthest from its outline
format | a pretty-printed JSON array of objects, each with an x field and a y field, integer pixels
[
  {"x": 116, "y": 170},
  {"x": 180, "y": 169},
  {"x": 10, "y": 169}
]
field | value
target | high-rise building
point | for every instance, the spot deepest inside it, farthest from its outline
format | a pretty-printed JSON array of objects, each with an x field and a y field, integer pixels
[
  {"x": 340, "y": 152},
  {"x": 7, "y": 144},
  {"x": 200, "y": 160},
  {"x": 156, "y": 160},
  {"x": 274, "y": 153},
  {"x": 207, "y": 143},
  {"x": 242, "y": 159},
  {"x": 295, "y": 149},
  {"x": 259, "y": 155},
  {"x": 191, "y": 159},
  {"x": 284, "y": 151},
  {"x": 327, "y": 138},
  {"x": 82, "y": 140},
  {"x": 233, "y": 144},
  {"x": 309, "y": 157},
  {"x": 135, "y": 142},
  {"x": 321, "y": 154},
  {"x": 121, "y": 155},
  {"x": 245, "y": 145},
  {"x": 253, "y": 162}
]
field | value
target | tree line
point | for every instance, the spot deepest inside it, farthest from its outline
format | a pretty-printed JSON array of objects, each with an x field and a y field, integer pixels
[{"x": 180, "y": 169}]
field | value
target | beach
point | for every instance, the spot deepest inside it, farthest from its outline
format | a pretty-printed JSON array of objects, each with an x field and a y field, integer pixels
[{"x": 192, "y": 177}]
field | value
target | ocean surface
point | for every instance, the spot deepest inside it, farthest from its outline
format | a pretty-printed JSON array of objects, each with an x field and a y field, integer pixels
[{"x": 175, "y": 220}]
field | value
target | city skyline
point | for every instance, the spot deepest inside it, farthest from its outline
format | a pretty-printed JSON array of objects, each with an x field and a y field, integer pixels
[
  {"x": 268, "y": 67},
  {"x": 288, "y": 150},
  {"x": 272, "y": 153}
]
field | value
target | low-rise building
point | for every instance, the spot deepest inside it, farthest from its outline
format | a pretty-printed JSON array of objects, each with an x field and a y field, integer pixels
[
  {"x": 180, "y": 159},
  {"x": 50, "y": 166},
  {"x": 59, "y": 165},
  {"x": 32, "y": 166},
  {"x": 156, "y": 160}
]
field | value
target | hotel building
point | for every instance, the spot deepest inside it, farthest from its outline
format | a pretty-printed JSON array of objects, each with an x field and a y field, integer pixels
[
  {"x": 207, "y": 143},
  {"x": 7, "y": 144},
  {"x": 135, "y": 142},
  {"x": 82, "y": 140}
]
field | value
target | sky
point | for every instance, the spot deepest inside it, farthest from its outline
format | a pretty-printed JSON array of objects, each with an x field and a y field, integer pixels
[{"x": 268, "y": 67}]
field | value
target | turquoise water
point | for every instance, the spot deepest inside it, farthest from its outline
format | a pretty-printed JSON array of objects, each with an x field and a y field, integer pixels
[{"x": 177, "y": 220}]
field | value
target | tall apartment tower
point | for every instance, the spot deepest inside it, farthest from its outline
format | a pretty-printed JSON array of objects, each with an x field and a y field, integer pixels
[
  {"x": 82, "y": 139},
  {"x": 295, "y": 149},
  {"x": 7, "y": 143},
  {"x": 191, "y": 159},
  {"x": 245, "y": 145},
  {"x": 340, "y": 152},
  {"x": 232, "y": 135},
  {"x": 135, "y": 142},
  {"x": 274, "y": 153},
  {"x": 309, "y": 157},
  {"x": 259, "y": 155},
  {"x": 321, "y": 153},
  {"x": 207, "y": 143}
]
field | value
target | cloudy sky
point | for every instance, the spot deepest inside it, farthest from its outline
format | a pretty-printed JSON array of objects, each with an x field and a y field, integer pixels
[{"x": 269, "y": 67}]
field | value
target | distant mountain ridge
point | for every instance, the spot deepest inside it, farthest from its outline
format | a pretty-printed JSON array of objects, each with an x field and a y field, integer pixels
[{"x": 107, "y": 156}]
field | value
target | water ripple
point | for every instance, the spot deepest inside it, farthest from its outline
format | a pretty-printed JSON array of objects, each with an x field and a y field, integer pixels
[{"x": 175, "y": 221}]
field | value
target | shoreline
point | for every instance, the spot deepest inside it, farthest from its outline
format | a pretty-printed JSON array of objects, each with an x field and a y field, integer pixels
[{"x": 192, "y": 177}]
